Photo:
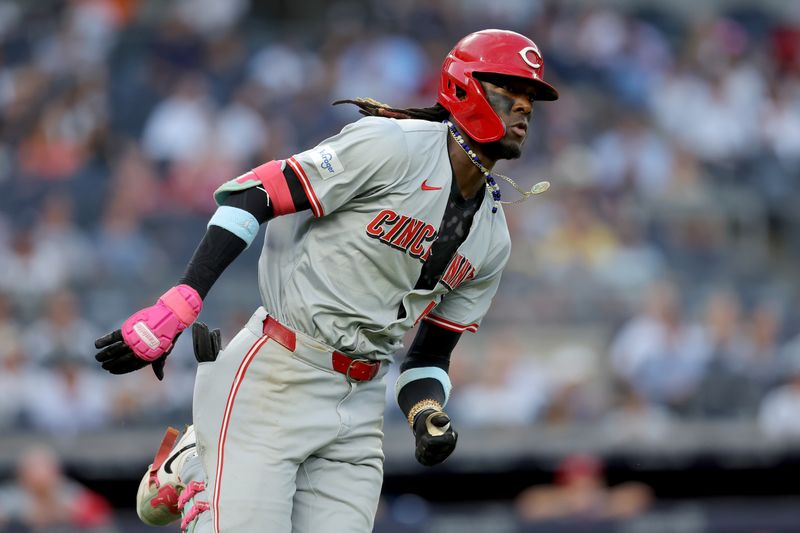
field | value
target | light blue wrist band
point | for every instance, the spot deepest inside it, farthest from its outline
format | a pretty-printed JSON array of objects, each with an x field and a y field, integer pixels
[
  {"x": 238, "y": 221},
  {"x": 413, "y": 374}
]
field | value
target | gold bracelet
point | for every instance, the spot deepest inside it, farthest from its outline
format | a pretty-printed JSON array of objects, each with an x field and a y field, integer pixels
[{"x": 421, "y": 406}]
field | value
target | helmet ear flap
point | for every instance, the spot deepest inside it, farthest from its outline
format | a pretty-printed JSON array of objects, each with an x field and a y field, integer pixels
[
  {"x": 476, "y": 116},
  {"x": 462, "y": 94},
  {"x": 456, "y": 89}
]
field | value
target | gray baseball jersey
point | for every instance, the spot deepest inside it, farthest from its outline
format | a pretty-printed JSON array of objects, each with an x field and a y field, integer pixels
[{"x": 378, "y": 192}]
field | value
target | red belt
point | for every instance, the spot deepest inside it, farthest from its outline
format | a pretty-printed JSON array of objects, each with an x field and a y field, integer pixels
[{"x": 354, "y": 369}]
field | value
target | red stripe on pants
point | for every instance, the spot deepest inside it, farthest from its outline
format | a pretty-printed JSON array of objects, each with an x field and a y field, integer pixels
[{"x": 237, "y": 381}]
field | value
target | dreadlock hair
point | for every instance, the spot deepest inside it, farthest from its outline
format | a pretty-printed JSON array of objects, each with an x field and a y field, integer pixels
[{"x": 372, "y": 108}]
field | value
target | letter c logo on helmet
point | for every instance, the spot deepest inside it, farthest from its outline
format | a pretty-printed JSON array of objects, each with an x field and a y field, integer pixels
[
  {"x": 488, "y": 52},
  {"x": 524, "y": 53}
]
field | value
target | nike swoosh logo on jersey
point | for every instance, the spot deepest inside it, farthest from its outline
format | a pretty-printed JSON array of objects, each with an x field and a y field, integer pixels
[{"x": 426, "y": 187}]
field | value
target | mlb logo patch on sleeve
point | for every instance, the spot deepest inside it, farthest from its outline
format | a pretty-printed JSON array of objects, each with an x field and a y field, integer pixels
[{"x": 326, "y": 161}]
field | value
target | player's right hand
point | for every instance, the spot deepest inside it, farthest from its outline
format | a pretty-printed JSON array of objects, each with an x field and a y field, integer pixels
[
  {"x": 206, "y": 342},
  {"x": 435, "y": 436},
  {"x": 149, "y": 335}
]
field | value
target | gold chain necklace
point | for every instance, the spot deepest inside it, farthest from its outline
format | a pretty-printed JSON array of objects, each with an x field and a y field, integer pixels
[{"x": 491, "y": 184}]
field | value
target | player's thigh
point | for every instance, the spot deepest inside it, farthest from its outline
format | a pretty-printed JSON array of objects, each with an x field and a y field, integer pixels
[
  {"x": 250, "y": 484},
  {"x": 335, "y": 496},
  {"x": 339, "y": 486},
  {"x": 212, "y": 386}
]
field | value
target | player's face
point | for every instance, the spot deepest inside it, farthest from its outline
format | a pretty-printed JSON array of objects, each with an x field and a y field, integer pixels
[{"x": 512, "y": 99}]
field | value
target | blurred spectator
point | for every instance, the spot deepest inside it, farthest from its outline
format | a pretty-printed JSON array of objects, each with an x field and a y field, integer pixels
[
  {"x": 176, "y": 47},
  {"x": 209, "y": 17},
  {"x": 717, "y": 134},
  {"x": 67, "y": 130},
  {"x": 83, "y": 42},
  {"x": 581, "y": 243},
  {"x": 56, "y": 229},
  {"x": 707, "y": 105},
  {"x": 362, "y": 68},
  {"x": 726, "y": 389},
  {"x": 660, "y": 354},
  {"x": 509, "y": 388},
  {"x": 746, "y": 361},
  {"x": 634, "y": 420},
  {"x": 241, "y": 131},
  {"x": 42, "y": 498},
  {"x": 135, "y": 182},
  {"x": 10, "y": 15},
  {"x": 601, "y": 36},
  {"x": 581, "y": 492},
  {"x": 9, "y": 328},
  {"x": 51, "y": 151},
  {"x": 785, "y": 44},
  {"x": 61, "y": 334},
  {"x": 15, "y": 381},
  {"x": 781, "y": 120},
  {"x": 124, "y": 251},
  {"x": 689, "y": 189},
  {"x": 282, "y": 71},
  {"x": 789, "y": 354},
  {"x": 191, "y": 183},
  {"x": 779, "y": 414},
  {"x": 139, "y": 399},
  {"x": 761, "y": 363},
  {"x": 31, "y": 271},
  {"x": 181, "y": 126},
  {"x": 68, "y": 400},
  {"x": 636, "y": 263},
  {"x": 632, "y": 156},
  {"x": 571, "y": 379},
  {"x": 640, "y": 64}
]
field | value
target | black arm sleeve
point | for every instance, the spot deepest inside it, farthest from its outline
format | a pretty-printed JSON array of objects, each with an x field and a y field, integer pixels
[
  {"x": 432, "y": 346},
  {"x": 253, "y": 200},
  {"x": 219, "y": 246}
]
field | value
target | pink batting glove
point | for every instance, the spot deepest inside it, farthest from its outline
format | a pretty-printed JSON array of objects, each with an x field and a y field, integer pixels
[{"x": 150, "y": 332}]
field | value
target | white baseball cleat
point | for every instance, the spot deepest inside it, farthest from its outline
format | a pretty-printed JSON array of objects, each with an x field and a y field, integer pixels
[{"x": 161, "y": 486}]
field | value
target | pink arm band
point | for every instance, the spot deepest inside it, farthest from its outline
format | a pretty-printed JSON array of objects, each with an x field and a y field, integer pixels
[{"x": 274, "y": 182}]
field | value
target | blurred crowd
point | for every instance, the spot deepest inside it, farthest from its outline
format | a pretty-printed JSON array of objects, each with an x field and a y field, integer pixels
[
  {"x": 659, "y": 269},
  {"x": 42, "y": 498}
]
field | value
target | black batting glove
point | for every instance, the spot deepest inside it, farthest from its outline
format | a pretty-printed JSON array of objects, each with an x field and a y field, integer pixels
[
  {"x": 436, "y": 438},
  {"x": 117, "y": 357},
  {"x": 206, "y": 343}
]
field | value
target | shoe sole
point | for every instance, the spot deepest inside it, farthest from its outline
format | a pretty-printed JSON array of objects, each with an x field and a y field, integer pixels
[{"x": 158, "y": 506}]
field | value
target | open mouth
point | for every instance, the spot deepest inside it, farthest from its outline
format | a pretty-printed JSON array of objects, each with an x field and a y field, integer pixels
[{"x": 520, "y": 129}]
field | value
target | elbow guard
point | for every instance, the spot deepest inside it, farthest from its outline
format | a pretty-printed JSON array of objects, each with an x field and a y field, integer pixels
[{"x": 270, "y": 176}]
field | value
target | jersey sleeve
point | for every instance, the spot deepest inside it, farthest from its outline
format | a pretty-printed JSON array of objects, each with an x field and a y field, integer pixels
[
  {"x": 365, "y": 157},
  {"x": 463, "y": 308}
]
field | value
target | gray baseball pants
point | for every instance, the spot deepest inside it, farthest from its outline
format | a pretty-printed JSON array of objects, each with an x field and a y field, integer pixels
[{"x": 288, "y": 445}]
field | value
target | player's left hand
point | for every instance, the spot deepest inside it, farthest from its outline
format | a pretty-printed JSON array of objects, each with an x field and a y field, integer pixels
[
  {"x": 118, "y": 358},
  {"x": 436, "y": 438},
  {"x": 150, "y": 333}
]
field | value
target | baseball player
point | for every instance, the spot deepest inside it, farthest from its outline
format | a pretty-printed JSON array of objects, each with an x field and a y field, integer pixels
[{"x": 394, "y": 221}]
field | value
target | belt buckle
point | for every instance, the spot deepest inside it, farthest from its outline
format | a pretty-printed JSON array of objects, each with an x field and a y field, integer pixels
[{"x": 350, "y": 378}]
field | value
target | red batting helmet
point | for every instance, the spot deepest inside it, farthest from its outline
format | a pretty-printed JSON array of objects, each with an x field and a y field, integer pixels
[{"x": 490, "y": 52}]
